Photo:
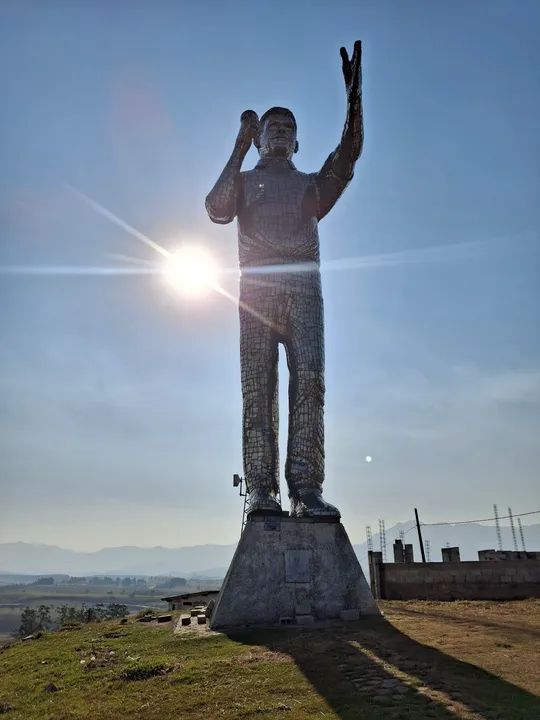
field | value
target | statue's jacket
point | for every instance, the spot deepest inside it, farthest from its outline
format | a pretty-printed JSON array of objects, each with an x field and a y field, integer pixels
[{"x": 277, "y": 215}]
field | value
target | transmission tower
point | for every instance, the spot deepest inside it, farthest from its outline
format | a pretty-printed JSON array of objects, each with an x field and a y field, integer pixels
[
  {"x": 521, "y": 535},
  {"x": 428, "y": 550},
  {"x": 369, "y": 537},
  {"x": 497, "y": 527},
  {"x": 514, "y": 538},
  {"x": 382, "y": 538}
]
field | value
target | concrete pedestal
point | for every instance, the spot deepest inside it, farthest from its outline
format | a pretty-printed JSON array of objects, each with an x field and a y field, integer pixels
[{"x": 289, "y": 571}]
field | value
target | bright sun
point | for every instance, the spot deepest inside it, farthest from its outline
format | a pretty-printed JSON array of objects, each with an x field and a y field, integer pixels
[{"x": 192, "y": 270}]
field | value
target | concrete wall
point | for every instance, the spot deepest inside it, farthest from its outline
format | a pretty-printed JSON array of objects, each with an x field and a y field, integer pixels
[
  {"x": 474, "y": 580},
  {"x": 451, "y": 554},
  {"x": 508, "y": 555},
  {"x": 191, "y": 600}
]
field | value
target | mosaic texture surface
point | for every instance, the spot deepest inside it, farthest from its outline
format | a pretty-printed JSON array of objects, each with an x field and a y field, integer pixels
[
  {"x": 292, "y": 308},
  {"x": 278, "y": 210}
]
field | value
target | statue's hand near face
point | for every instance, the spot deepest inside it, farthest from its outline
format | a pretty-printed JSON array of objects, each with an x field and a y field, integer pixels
[
  {"x": 352, "y": 70},
  {"x": 249, "y": 127}
]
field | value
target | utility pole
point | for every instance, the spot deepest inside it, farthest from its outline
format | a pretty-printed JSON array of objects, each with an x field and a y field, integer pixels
[{"x": 420, "y": 535}]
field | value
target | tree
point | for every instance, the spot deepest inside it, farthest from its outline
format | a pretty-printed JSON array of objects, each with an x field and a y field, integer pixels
[
  {"x": 29, "y": 622},
  {"x": 117, "y": 610},
  {"x": 33, "y": 620},
  {"x": 44, "y": 616}
]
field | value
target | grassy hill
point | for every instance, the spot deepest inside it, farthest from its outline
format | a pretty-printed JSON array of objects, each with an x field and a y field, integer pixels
[{"x": 423, "y": 660}]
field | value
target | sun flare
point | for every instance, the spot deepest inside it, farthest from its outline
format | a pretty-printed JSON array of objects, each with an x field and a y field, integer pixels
[{"x": 191, "y": 270}]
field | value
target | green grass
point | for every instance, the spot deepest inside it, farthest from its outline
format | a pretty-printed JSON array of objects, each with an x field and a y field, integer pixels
[{"x": 426, "y": 660}]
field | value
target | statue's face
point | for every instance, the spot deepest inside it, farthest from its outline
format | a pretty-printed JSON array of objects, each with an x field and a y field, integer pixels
[{"x": 277, "y": 136}]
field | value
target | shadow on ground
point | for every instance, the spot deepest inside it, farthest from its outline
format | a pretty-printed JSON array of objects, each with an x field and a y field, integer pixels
[{"x": 369, "y": 670}]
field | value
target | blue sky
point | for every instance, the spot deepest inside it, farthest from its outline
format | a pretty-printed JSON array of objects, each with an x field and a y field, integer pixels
[{"x": 120, "y": 416}]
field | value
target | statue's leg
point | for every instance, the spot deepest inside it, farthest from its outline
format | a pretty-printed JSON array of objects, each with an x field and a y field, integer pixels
[
  {"x": 259, "y": 372},
  {"x": 304, "y": 468}
]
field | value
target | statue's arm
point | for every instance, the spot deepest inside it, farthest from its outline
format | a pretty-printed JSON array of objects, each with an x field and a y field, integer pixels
[
  {"x": 221, "y": 200},
  {"x": 337, "y": 171}
]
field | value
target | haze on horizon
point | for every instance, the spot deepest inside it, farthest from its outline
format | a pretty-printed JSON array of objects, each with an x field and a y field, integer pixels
[{"x": 120, "y": 409}]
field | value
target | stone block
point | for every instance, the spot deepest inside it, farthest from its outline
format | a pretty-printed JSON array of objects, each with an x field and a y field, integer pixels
[
  {"x": 305, "y": 619},
  {"x": 302, "y": 608},
  {"x": 164, "y": 618},
  {"x": 186, "y": 620},
  {"x": 201, "y": 619},
  {"x": 303, "y": 563}
]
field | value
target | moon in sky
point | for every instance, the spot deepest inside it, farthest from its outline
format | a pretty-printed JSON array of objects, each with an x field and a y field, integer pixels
[{"x": 368, "y": 458}]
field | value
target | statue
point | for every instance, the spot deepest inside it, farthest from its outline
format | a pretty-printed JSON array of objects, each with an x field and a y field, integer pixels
[{"x": 278, "y": 210}]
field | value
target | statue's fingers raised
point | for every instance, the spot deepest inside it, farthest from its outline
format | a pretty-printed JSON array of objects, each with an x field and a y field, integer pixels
[
  {"x": 357, "y": 56},
  {"x": 346, "y": 64}
]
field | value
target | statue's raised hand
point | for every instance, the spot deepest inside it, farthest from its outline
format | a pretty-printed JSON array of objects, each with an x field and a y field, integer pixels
[
  {"x": 249, "y": 127},
  {"x": 352, "y": 70}
]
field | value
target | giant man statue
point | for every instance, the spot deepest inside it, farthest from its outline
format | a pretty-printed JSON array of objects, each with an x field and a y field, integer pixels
[{"x": 278, "y": 210}]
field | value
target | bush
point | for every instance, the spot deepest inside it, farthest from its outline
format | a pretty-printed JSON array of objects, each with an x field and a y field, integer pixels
[
  {"x": 144, "y": 670},
  {"x": 147, "y": 611}
]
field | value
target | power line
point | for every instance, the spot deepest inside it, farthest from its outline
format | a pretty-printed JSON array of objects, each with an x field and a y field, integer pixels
[
  {"x": 457, "y": 522},
  {"x": 500, "y": 517}
]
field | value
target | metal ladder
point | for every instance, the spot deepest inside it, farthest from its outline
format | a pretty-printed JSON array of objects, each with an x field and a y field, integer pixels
[{"x": 238, "y": 482}]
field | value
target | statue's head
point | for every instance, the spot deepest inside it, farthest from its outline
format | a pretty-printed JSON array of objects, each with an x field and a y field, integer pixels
[{"x": 277, "y": 134}]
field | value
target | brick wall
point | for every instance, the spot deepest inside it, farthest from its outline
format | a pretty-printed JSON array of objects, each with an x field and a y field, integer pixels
[{"x": 474, "y": 580}]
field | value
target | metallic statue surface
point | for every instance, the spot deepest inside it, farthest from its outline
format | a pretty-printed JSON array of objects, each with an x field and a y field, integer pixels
[{"x": 278, "y": 209}]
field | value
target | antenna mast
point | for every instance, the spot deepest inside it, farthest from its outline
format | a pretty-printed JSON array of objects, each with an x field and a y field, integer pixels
[
  {"x": 497, "y": 527},
  {"x": 521, "y": 535},
  {"x": 514, "y": 538},
  {"x": 382, "y": 538},
  {"x": 369, "y": 538}
]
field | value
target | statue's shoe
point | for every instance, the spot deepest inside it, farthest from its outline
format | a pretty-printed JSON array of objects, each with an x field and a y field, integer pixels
[
  {"x": 310, "y": 503},
  {"x": 263, "y": 502}
]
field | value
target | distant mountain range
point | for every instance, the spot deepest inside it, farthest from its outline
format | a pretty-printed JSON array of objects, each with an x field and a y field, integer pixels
[
  {"x": 213, "y": 560},
  {"x": 33, "y": 559}
]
